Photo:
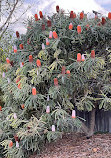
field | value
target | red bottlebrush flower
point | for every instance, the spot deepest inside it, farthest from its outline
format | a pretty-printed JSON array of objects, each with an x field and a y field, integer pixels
[
  {"x": 81, "y": 15},
  {"x": 55, "y": 81},
  {"x": 17, "y": 34},
  {"x": 7, "y": 60},
  {"x": 48, "y": 23},
  {"x": 92, "y": 54},
  {"x": 18, "y": 79},
  {"x": 43, "y": 27},
  {"x": 10, "y": 144},
  {"x": 0, "y": 108},
  {"x": 78, "y": 57},
  {"x": 63, "y": 70},
  {"x": 16, "y": 138},
  {"x": 87, "y": 26},
  {"x": 30, "y": 58},
  {"x": 74, "y": 15},
  {"x": 36, "y": 17},
  {"x": 109, "y": 15},
  {"x": 70, "y": 26},
  {"x": 19, "y": 86},
  {"x": 38, "y": 63},
  {"x": 55, "y": 34},
  {"x": 34, "y": 91},
  {"x": 79, "y": 29},
  {"x": 21, "y": 46},
  {"x": 57, "y": 9},
  {"x": 68, "y": 73},
  {"x": 22, "y": 106},
  {"x": 47, "y": 42},
  {"x": 41, "y": 15},
  {"x": 103, "y": 21}
]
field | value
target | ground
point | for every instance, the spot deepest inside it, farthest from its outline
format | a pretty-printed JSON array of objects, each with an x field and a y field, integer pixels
[{"x": 78, "y": 146}]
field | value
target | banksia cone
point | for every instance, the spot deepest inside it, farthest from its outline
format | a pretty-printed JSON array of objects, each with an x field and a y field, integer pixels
[
  {"x": 103, "y": 21},
  {"x": 55, "y": 81},
  {"x": 109, "y": 15},
  {"x": 78, "y": 57},
  {"x": 43, "y": 27},
  {"x": 92, "y": 54},
  {"x": 48, "y": 23},
  {"x": 0, "y": 108},
  {"x": 36, "y": 17},
  {"x": 73, "y": 114},
  {"x": 57, "y": 8},
  {"x": 33, "y": 91},
  {"x": 10, "y": 144},
  {"x": 15, "y": 49},
  {"x": 83, "y": 57},
  {"x": 50, "y": 34},
  {"x": 79, "y": 29},
  {"x": 63, "y": 70},
  {"x": 7, "y": 60},
  {"x": 81, "y": 15},
  {"x": 55, "y": 35},
  {"x": 30, "y": 58},
  {"x": 70, "y": 26},
  {"x": 47, "y": 42},
  {"x": 41, "y": 15},
  {"x": 17, "y": 34},
  {"x": 38, "y": 63},
  {"x": 21, "y": 46},
  {"x": 68, "y": 73}
]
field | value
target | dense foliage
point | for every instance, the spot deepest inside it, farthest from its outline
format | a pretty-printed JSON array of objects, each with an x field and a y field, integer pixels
[{"x": 45, "y": 78}]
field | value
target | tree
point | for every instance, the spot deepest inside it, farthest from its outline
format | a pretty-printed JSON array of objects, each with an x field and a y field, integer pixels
[{"x": 47, "y": 79}]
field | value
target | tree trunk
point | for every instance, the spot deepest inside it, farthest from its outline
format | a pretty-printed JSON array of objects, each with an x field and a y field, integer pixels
[{"x": 89, "y": 131}]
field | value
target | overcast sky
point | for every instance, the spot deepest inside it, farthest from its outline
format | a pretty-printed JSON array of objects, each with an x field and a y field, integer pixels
[{"x": 48, "y": 7}]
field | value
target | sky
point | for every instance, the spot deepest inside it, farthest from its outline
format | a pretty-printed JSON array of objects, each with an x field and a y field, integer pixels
[{"x": 48, "y": 7}]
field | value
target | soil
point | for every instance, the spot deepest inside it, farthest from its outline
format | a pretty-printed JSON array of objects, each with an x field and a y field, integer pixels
[{"x": 78, "y": 146}]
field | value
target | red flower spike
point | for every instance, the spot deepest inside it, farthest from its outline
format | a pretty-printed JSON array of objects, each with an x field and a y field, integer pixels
[
  {"x": 43, "y": 27},
  {"x": 47, "y": 42},
  {"x": 21, "y": 46},
  {"x": 22, "y": 106},
  {"x": 7, "y": 60},
  {"x": 74, "y": 15},
  {"x": 0, "y": 108},
  {"x": 48, "y": 23},
  {"x": 34, "y": 91},
  {"x": 81, "y": 15},
  {"x": 38, "y": 63},
  {"x": 28, "y": 41},
  {"x": 36, "y": 17},
  {"x": 41, "y": 15},
  {"x": 55, "y": 81},
  {"x": 109, "y": 15},
  {"x": 19, "y": 86},
  {"x": 78, "y": 57},
  {"x": 30, "y": 58},
  {"x": 55, "y": 34},
  {"x": 18, "y": 79},
  {"x": 92, "y": 54},
  {"x": 57, "y": 9},
  {"x": 71, "y": 14},
  {"x": 17, "y": 34},
  {"x": 16, "y": 138},
  {"x": 15, "y": 49},
  {"x": 63, "y": 70},
  {"x": 103, "y": 21},
  {"x": 68, "y": 73},
  {"x": 10, "y": 144},
  {"x": 70, "y": 26},
  {"x": 79, "y": 29}
]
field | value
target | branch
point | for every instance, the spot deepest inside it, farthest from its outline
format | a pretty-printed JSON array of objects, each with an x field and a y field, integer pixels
[{"x": 11, "y": 12}]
